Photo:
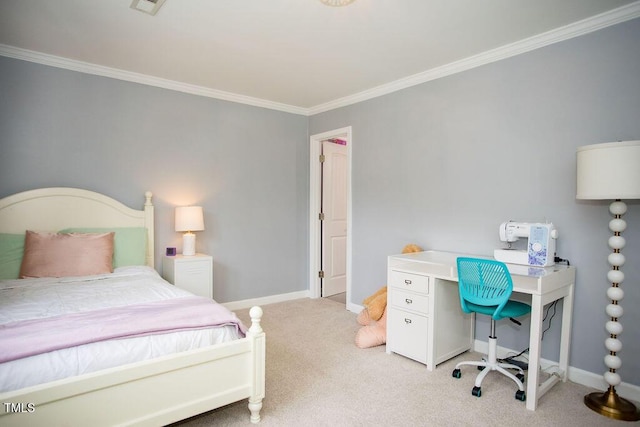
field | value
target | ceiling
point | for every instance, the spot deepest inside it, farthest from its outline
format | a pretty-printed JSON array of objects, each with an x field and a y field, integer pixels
[{"x": 293, "y": 55}]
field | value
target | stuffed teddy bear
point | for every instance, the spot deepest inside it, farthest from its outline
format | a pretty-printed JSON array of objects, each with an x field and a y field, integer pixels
[
  {"x": 374, "y": 306},
  {"x": 373, "y": 316}
]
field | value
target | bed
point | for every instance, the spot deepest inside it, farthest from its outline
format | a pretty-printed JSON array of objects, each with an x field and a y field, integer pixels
[{"x": 166, "y": 388}]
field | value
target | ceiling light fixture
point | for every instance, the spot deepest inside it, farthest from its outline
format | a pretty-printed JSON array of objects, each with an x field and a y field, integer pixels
[
  {"x": 147, "y": 6},
  {"x": 337, "y": 2}
]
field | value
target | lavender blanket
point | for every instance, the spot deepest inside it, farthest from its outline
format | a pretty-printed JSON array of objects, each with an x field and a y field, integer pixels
[{"x": 31, "y": 337}]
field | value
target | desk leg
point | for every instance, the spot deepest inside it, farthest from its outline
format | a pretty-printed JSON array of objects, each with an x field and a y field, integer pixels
[
  {"x": 535, "y": 338},
  {"x": 565, "y": 337}
]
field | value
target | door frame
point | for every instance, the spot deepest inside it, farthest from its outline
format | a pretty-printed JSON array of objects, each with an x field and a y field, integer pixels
[{"x": 315, "y": 182}]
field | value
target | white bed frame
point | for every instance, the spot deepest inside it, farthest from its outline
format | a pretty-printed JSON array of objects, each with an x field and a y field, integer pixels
[{"x": 149, "y": 393}]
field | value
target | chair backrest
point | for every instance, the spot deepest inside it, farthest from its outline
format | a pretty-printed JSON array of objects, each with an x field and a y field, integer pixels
[{"x": 484, "y": 282}]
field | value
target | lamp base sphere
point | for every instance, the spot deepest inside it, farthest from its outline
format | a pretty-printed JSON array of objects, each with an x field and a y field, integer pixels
[{"x": 611, "y": 405}]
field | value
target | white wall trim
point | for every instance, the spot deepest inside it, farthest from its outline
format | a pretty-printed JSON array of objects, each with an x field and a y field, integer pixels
[
  {"x": 578, "y": 376},
  {"x": 114, "y": 73},
  {"x": 248, "y": 303},
  {"x": 576, "y": 29},
  {"x": 594, "y": 23}
]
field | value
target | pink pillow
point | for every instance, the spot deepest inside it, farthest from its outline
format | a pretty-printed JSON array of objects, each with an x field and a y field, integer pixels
[{"x": 61, "y": 254}]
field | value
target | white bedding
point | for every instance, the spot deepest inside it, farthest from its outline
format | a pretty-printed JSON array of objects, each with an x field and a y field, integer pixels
[{"x": 40, "y": 298}]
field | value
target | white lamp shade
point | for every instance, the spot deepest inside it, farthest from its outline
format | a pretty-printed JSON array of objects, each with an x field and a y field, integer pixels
[
  {"x": 609, "y": 171},
  {"x": 189, "y": 218}
]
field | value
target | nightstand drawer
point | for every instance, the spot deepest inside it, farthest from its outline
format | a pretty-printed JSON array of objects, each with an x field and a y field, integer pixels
[
  {"x": 191, "y": 273},
  {"x": 409, "y": 301},
  {"x": 193, "y": 270},
  {"x": 409, "y": 282}
]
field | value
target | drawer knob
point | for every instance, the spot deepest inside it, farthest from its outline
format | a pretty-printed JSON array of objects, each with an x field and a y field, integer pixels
[
  {"x": 408, "y": 301},
  {"x": 407, "y": 281},
  {"x": 407, "y": 321}
]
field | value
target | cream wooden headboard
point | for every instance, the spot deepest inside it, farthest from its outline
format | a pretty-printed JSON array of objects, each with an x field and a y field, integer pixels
[{"x": 53, "y": 209}]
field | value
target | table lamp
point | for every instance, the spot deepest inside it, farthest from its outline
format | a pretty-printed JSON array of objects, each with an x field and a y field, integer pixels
[
  {"x": 611, "y": 171},
  {"x": 189, "y": 218}
]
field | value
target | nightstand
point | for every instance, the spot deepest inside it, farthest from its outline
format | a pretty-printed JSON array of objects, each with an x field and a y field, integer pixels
[{"x": 191, "y": 273}]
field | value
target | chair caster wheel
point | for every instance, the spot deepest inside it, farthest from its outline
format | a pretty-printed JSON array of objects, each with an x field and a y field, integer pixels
[
  {"x": 481, "y": 368},
  {"x": 456, "y": 373},
  {"x": 476, "y": 391},
  {"x": 520, "y": 377},
  {"x": 521, "y": 395}
]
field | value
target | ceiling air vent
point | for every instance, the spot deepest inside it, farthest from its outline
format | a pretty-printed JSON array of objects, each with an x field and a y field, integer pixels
[{"x": 147, "y": 6}]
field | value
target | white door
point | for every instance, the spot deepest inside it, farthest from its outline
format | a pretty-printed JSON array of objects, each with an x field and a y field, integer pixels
[{"x": 334, "y": 223}]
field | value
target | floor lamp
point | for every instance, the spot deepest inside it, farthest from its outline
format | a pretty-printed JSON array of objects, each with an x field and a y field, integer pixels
[{"x": 605, "y": 172}]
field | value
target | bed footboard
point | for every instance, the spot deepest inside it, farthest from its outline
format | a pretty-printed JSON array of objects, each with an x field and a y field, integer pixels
[{"x": 150, "y": 393}]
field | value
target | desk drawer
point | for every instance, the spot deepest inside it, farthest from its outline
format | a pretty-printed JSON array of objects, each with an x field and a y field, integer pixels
[
  {"x": 407, "y": 334},
  {"x": 409, "y": 301},
  {"x": 409, "y": 282}
]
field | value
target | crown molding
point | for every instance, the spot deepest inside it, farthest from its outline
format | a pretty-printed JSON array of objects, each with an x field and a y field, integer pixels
[
  {"x": 114, "y": 73},
  {"x": 594, "y": 23}
]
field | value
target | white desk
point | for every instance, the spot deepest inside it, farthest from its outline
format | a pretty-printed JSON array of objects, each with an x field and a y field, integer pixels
[{"x": 543, "y": 285}]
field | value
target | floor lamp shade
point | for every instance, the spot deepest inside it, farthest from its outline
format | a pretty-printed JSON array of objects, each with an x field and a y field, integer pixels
[
  {"x": 189, "y": 219},
  {"x": 611, "y": 171}
]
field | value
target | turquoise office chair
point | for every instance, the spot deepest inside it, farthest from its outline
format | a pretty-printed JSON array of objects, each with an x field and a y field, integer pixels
[{"x": 485, "y": 287}]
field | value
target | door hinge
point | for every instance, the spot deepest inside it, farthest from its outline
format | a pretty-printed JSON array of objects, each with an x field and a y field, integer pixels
[
  {"x": 322, "y": 158},
  {"x": 321, "y": 274},
  {"x": 321, "y": 216}
]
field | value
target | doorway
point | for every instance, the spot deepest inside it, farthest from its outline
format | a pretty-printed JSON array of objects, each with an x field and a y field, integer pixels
[{"x": 321, "y": 254}]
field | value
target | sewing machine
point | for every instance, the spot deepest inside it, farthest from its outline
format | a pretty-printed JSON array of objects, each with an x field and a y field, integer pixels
[{"x": 541, "y": 243}]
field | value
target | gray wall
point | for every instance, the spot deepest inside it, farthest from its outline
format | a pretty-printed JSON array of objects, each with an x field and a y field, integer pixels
[
  {"x": 440, "y": 164},
  {"x": 443, "y": 163},
  {"x": 241, "y": 163}
]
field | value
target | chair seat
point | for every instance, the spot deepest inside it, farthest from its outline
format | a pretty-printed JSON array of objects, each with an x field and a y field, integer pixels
[{"x": 511, "y": 309}]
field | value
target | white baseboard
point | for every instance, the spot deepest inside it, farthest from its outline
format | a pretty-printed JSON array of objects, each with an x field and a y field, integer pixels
[
  {"x": 578, "y": 376},
  {"x": 272, "y": 299},
  {"x": 354, "y": 308}
]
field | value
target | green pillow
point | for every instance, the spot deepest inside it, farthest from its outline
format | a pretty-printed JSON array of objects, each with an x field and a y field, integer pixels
[
  {"x": 129, "y": 244},
  {"x": 11, "y": 250}
]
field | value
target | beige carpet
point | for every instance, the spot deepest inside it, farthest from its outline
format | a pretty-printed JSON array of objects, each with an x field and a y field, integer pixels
[{"x": 316, "y": 376}]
